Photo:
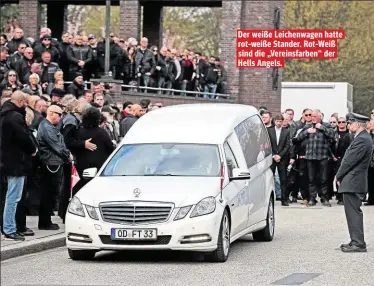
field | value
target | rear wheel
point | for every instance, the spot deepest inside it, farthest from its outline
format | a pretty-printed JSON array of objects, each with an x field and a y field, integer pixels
[
  {"x": 81, "y": 254},
  {"x": 221, "y": 254},
  {"x": 267, "y": 234}
]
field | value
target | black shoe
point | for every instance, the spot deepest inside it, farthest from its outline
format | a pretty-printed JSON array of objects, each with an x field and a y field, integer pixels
[
  {"x": 14, "y": 236},
  {"x": 52, "y": 226},
  {"x": 285, "y": 204},
  {"x": 26, "y": 232},
  {"x": 340, "y": 202},
  {"x": 353, "y": 248},
  {"x": 294, "y": 200},
  {"x": 346, "y": 245},
  {"x": 278, "y": 199},
  {"x": 311, "y": 203},
  {"x": 326, "y": 203}
]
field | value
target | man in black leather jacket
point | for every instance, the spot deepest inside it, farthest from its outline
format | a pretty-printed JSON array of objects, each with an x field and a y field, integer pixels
[
  {"x": 53, "y": 155},
  {"x": 78, "y": 56}
]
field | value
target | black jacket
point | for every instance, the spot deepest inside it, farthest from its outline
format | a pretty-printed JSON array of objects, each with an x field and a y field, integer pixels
[
  {"x": 13, "y": 44},
  {"x": 93, "y": 159},
  {"x": 52, "y": 150},
  {"x": 40, "y": 49},
  {"x": 75, "y": 54},
  {"x": 4, "y": 68},
  {"x": 76, "y": 89},
  {"x": 70, "y": 126},
  {"x": 144, "y": 62},
  {"x": 23, "y": 67},
  {"x": 38, "y": 117},
  {"x": 283, "y": 147},
  {"x": 126, "y": 124},
  {"x": 353, "y": 172},
  {"x": 16, "y": 145}
]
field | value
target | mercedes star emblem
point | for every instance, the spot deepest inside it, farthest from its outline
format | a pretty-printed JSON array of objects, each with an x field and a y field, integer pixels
[{"x": 137, "y": 193}]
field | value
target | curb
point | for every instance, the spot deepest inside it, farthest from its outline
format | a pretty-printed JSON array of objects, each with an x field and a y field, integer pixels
[{"x": 33, "y": 246}]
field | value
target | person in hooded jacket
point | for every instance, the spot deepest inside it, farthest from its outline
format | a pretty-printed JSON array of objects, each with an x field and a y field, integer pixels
[
  {"x": 76, "y": 88},
  {"x": 16, "y": 150}
]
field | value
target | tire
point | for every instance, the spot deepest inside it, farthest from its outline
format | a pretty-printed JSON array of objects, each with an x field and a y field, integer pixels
[
  {"x": 81, "y": 254},
  {"x": 221, "y": 254},
  {"x": 267, "y": 234}
]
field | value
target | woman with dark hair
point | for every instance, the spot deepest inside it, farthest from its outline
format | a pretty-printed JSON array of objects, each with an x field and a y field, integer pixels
[
  {"x": 85, "y": 159},
  {"x": 11, "y": 81}
]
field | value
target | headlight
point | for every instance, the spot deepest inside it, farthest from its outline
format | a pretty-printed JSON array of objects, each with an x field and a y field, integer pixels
[
  {"x": 182, "y": 212},
  {"x": 75, "y": 207},
  {"x": 204, "y": 207},
  {"x": 92, "y": 212}
]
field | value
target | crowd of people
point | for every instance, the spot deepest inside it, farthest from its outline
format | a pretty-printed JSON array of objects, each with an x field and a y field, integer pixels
[
  {"x": 307, "y": 155},
  {"x": 47, "y": 129},
  {"x": 43, "y": 140},
  {"x": 46, "y": 65}
]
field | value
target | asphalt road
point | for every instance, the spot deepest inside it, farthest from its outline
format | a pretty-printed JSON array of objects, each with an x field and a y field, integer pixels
[{"x": 305, "y": 250}]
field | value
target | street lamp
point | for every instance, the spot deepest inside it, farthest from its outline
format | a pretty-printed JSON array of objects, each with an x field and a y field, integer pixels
[{"x": 107, "y": 43}]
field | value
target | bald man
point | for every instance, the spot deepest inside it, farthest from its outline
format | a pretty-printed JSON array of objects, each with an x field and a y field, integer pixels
[
  {"x": 23, "y": 66},
  {"x": 135, "y": 113},
  {"x": 16, "y": 150},
  {"x": 53, "y": 155},
  {"x": 18, "y": 38}
]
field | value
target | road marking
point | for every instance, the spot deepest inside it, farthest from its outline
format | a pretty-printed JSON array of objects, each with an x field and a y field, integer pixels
[{"x": 296, "y": 279}]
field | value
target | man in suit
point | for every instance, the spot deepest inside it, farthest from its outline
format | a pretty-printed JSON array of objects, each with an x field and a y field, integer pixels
[
  {"x": 280, "y": 142},
  {"x": 352, "y": 180}
]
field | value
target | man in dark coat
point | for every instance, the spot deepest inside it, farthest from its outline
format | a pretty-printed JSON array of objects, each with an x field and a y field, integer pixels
[
  {"x": 370, "y": 201},
  {"x": 134, "y": 114},
  {"x": 352, "y": 179},
  {"x": 16, "y": 149},
  {"x": 280, "y": 142}
]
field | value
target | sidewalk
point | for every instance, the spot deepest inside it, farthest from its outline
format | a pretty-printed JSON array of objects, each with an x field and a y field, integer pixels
[{"x": 42, "y": 240}]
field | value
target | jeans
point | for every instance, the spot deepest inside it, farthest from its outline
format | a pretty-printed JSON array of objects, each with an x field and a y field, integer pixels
[
  {"x": 210, "y": 88},
  {"x": 317, "y": 172},
  {"x": 13, "y": 196}
]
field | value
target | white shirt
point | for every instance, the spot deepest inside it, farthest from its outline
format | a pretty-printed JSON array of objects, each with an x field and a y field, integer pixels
[{"x": 278, "y": 133}]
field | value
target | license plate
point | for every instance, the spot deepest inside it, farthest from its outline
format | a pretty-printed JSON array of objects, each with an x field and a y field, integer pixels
[{"x": 133, "y": 234}]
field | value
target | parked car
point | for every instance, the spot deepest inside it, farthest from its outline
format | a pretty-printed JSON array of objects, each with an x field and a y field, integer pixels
[{"x": 187, "y": 177}]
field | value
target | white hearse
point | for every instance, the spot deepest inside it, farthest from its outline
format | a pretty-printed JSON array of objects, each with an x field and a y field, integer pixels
[{"x": 187, "y": 177}]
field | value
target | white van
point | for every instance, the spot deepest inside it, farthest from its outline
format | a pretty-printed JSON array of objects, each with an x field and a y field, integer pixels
[{"x": 186, "y": 177}]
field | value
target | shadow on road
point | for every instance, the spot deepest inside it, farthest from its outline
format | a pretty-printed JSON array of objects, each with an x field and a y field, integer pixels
[{"x": 152, "y": 256}]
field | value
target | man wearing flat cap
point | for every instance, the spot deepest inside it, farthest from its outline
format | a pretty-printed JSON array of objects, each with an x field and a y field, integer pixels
[{"x": 352, "y": 180}]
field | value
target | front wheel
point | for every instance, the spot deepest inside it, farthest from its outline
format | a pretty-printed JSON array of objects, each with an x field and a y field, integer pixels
[
  {"x": 81, "y": 254},
  {"x": 267, "y": 234},
  {"x": 221, "y": 254}
]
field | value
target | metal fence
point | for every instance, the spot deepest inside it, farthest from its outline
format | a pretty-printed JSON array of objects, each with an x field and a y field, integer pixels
[{"x": 164, "y": 91}]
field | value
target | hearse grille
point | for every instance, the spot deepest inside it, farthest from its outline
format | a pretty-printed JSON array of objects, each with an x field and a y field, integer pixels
[
  {"x": 161, "y": 240},
  {"x": 135, "y": 212}
]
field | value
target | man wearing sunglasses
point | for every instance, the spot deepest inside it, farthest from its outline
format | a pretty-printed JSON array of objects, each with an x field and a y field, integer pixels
[
  {"x": 53, "y": 155},
  {"x": 46, "y": 46},
  {"x": 344, "y": 140}
]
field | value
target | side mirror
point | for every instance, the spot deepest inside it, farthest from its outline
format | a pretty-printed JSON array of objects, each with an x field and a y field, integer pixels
[
  {"x": 90, "y": 173},
  {"x": 240, "y": 174}
]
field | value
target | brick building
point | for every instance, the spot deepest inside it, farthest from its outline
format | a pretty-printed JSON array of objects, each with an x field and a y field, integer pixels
[{"x": 250, "y": 86}]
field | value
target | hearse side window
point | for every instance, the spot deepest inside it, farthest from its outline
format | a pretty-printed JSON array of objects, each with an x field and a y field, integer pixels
[
  {"x": 254, "y": 140},
  {"x": 230, "y": 158}
]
